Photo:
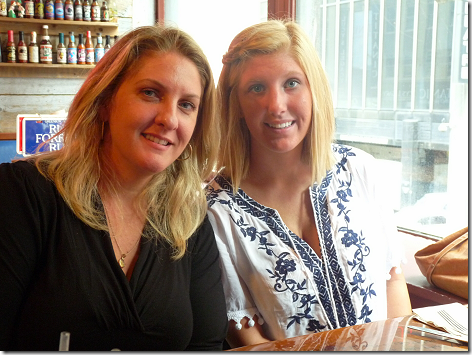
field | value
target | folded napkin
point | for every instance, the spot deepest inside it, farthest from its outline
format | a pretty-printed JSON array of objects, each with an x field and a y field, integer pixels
[{"x": 458, "y": 312}]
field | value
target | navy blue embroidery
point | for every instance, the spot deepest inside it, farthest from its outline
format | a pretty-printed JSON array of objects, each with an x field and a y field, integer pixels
[
  {"x": 351, "y": 238},
  {"x": 283, "y": 265},
  {"x": 344, "y": 311}
]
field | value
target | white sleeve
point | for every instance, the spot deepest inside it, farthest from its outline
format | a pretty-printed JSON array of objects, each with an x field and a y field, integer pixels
[
  {"x": 239, "y": 302},
  {"x": 394, "y": 240}
]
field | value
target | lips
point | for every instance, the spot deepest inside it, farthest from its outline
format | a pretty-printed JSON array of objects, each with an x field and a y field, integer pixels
[
  {"x": 156, "y": 140},
  {"x": 281, "y": 125}
]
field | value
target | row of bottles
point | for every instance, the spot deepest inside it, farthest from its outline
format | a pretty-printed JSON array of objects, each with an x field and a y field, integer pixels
[
  {"x": 82, "y": 53},
  {"x": 73, "y": 10}
]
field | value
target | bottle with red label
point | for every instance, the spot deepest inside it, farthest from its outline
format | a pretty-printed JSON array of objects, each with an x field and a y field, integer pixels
[
  {"x": 95, "y": 11},
  {"x": 11, "y": 48},
  {"x": 89, "y": 50},
  {"x": 22, "y": 49},
  {"x": 45, "y": 47}
]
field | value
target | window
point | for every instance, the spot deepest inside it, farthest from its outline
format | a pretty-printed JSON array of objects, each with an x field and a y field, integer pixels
[{"x": 398, "y": 73}]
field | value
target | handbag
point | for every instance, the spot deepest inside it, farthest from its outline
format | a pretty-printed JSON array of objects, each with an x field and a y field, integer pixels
[{"x": 446, "y": 263}]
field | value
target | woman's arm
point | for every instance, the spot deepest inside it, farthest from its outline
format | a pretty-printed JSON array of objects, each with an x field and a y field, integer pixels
[
  {"x": 246, "y": 335},
  {"x": 206, "y": 293},
  {"x": 398, "y": 299}
]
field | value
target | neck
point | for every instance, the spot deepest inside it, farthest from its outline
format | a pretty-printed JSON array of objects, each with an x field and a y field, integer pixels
[{"x": 275, "y": 170}]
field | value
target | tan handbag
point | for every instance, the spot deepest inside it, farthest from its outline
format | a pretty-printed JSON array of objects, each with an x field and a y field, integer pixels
[{"x": 446, "y": 263}]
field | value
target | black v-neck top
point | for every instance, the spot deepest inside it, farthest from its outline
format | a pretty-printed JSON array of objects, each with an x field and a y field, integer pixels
[{"x": 58, "y": 274}]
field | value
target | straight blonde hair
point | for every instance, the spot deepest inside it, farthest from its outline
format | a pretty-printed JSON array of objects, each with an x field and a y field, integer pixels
[
  {"x": 174, "y": 202},
  {"x": 266, "y": 38}
]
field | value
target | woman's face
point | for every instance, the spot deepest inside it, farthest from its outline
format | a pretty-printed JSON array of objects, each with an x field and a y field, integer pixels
[
  {"x": 275, "y": 99},
  {"x": 153, "y": 115}
]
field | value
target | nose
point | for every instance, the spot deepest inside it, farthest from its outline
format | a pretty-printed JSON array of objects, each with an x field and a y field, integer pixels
[
  {"x": 276, "y": 102},
  {"x": 167, "y": 116}
]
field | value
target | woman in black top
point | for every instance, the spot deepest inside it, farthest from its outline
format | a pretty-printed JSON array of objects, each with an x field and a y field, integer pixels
[{"x": 107, "y": 238}]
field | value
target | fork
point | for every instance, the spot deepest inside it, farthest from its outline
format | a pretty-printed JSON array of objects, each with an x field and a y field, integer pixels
[{"x": 452, "y": 322}]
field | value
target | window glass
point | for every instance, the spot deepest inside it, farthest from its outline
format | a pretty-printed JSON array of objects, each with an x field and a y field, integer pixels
[
  {"x": 398, "y": 70},
  {"x": 214, "y": 23}
]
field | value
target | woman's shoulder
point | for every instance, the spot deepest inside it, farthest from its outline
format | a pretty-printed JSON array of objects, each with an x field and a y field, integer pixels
[
  {"x": 350, "y": 158},
  {"x": 352, "y": 153},
  {"x": 20, "y": 169},
  {"x": 219, "y": 187},
  {"x": 23, "y": 174}
]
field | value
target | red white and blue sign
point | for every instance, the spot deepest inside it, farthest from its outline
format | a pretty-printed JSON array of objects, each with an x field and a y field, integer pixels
[{"x": 39, "y": 133}]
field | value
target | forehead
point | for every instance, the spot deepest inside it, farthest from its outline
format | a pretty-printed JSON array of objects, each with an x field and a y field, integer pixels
[
  {"x": 170, "y": 68},
  {"x": 273, "y": 64}
]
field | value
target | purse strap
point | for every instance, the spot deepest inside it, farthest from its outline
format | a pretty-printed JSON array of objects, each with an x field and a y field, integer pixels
[{"x": 443, "y": 252}]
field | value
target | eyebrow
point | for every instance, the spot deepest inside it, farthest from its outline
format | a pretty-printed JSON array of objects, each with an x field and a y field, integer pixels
[{"x": 164, "y": 87}]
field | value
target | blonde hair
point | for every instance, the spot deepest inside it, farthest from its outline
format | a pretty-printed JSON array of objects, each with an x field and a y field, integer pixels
[
  {"x": 265, "y": 38},
  {"x": 174, "y": 202}
]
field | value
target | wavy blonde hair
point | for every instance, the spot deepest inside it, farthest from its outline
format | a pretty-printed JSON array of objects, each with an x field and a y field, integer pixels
[
  {"x": 173, "y": 201},
  {"x": 266, "y": 38}
]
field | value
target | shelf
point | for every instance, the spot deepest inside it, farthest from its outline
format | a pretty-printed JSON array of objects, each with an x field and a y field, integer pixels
[
  {"x": 32, "y": 70},
  {"x": 55, "y": 26}
]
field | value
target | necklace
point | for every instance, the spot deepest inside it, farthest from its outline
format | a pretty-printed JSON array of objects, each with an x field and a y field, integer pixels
[{"x": 121, "y": 261}]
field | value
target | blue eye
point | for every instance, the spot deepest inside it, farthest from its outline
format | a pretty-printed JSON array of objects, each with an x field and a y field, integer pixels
[
  {"x": 187, "y": 105},
  {"x": 257, "y": 88},
  {"x": 149, "y": 92},
  {"x": 291, "y": 83}
]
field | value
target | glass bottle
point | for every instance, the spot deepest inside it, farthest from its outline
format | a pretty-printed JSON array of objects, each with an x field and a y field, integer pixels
[
  {"x": 87, "y": 10},
  {"x": 11, "y": 48},
  {"x": 29, "y": 8},
  {"x": 33, "y": 49},
  {"x": 89, "y": 51},
  {"x": 104, "y": 12},
  {"x": 61, "y": 50},
  {"x": 81, "y": 50},
  {"x": 45, "y": 47},
  {"x": 69, "y": 10},
  {"x": 115, "y": 39},
  {"x": 72, "y": 50},
  {"x": 95, "y": 11},
  {"x": 49, "y": 10},
  {"x": 99, "y": 49},
  {"x": 59, "y": 10},
  {"x": 22, "y": 49},
  {"x": 78, "y": 10},
  {"x": 39, "y": 9},
  {"x": 107, "y": 43}
]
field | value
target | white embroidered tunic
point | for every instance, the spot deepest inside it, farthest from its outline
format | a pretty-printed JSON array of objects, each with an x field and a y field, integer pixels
[{"x": 271, "y": 272}]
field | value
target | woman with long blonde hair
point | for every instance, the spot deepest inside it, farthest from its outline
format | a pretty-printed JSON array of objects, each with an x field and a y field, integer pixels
[
  {"x": 305, "y": 241},
  {"x": 107, "y": 238}
]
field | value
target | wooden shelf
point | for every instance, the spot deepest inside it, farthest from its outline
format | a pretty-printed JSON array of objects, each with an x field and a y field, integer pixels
[
  {"x": 27, "y": 25},
  {"x": 31, "y": 70},
  {"x": 55, "y": 26}
]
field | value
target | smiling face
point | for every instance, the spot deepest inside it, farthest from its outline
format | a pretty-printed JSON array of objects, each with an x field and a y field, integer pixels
[
  {"x": 153, "y": 115},
  {"x": 276, "y": 102}
]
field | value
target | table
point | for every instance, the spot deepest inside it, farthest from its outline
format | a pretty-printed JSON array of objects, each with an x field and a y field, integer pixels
[{"x": 387, "y": 335}]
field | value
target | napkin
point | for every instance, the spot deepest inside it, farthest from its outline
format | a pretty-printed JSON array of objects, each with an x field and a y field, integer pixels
[{"x": 459, "y": 312}]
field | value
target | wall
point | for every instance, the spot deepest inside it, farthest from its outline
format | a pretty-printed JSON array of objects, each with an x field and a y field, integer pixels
[{"x": 45, "y": 96}]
